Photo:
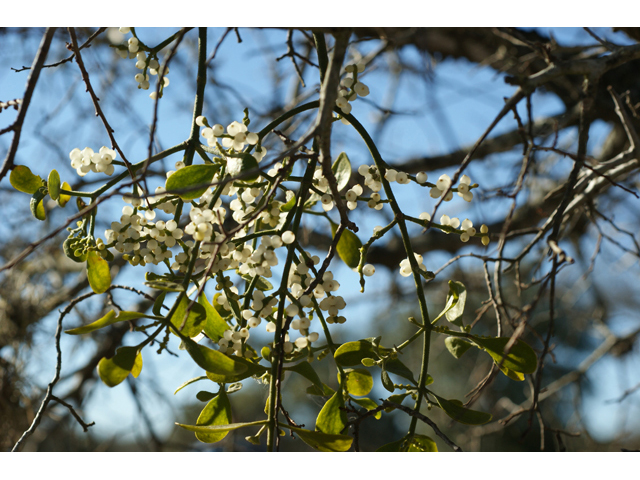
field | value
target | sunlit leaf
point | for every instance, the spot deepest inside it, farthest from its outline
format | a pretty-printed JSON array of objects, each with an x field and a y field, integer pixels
[
  {"x": 190, "y": 177},
  {"x": 214, "y": 325},
  {"x": 455, "y": 410},
  {"x": 421, "y": 443},
  {"x": 261, "y": 283},
  {"x": 359, "y": 382},
  {"x": 195, "y": 320},
  {"x": 64, "y": 198},
  {"x": 37, "y": 204},
  {"x": 521, "y": 357},
  {"x": 352, "y": 353},
  {"x": 369, "y": 405},
  {"x": 456, "y": 298},
  {"x": 517, "y": 376},
  {"x": 98, "y": 273},
  {"x": 109, "y": 319},
  {"x": 54, "y": 185},
  {"x": 113, "y": 371},
  {"x": 348, "y": 247},
  {"x": 23, "y": 180},
  {"x": 332, "y": 418},
  {"x": 323, "y": 442},
  {"x": 216, "y": 412},
  {"x": 397, "y": 398},
  {"x": 290, "y": 203},
  {"x": 342, "y": 170},
  {"x": 251, "y": 369},
  {"x": 216, "y": 429},
  {"x": 212, "y": 360},
  {"x": 457, "y": 346}
]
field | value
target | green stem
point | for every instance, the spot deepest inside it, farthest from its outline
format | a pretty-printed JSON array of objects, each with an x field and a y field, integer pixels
[{"x": 399, "y": 216}]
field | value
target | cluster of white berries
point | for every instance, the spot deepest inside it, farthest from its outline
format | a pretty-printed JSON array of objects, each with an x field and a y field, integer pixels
[
  {"x": 141, "y": 240},
  {"x": 443, "y": 184},
  {"x": 232, "y": 341},
  {"x": 148, "y": 65},
  {"x": 351, "y": 88},
  {"x": 237, "y": 136},
  {"x": 86, "y": 160},
  {"x": 405, "y": 265}
]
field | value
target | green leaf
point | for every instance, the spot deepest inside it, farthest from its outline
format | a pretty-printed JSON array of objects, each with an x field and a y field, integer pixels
[
  {"x": 521, "y": 357},
  {"x": 195, "y": 319},
  {"x": 386, "y": 380},
  {"x": 214, "y": 325},
  {"x": 261, "y": 284},
  {"x": 157, "y": 304},
  {"x": 241, "y": 165},
  {"x": 215, "y": 429},
  {"x": 64, "y": 198},
  {"x": 306, "y": 370},
  {"x": 109, "y": 319},
  {"x": 37, "y": 204},
  {"x": 369, "y": 405},
  {"x": 332, "y": 418},
  {"x": 457, "y": 346},
  {"x": 54, "y": 185},
  {"x": 324, "y": 392},
  {"x": 352, "y": 353},
  {"x": 212, "y": 360},
  {"x": 189, "y": 382},
  {"x": 251, "y": 369},
  {"x": 323, "y": 442},
  {"x": 205, "y": 396},
  {"x": 456, "y": 300},
  {"x": 397, "y": 446},
  {"x": 113, "y": 371},
  {"x": 397, "y": 398},
  {"x": 98, "y": 273},
  {"x": 165, "y": 285},
  {"x": 394, "y": 365},
  {"x": 290, "y": 203},
  {"x": 255, "y": 439},
  {"x": 190, "y": 177},
  {"x": 23, "y": 180},
  {"x": 359, "y": 382},
  {"x": 216, "y": 412},
  {"x": 455, "y": 410},
  {"x": 421, "y": 443},
  {"x": 342, "y": 170},
  {"x": 517, "y": 376},
  {"x": 348, "y": 247}
]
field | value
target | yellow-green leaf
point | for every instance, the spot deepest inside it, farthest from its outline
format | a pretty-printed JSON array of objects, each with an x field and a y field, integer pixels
[
  {"x": 212, "y": 360},
  {"x": 342, "y": 170},
  {"x": 195, "y": 320},
  {"x": 220, "y": 428},
  {"x": 216, "y": 412},
  {"x": 359, "y": 382},
  {"x": 23, "y": 180},
  {"x": 64, "y": 198},
  {"x": 352, "y": 353},
  {"x": 54, "y": 185},
  {"x": 457, "y": 346},
  {"x": 37, "y": 204},
  {"x": 306, "y": 370},
  {"x": 348, "y": 247},
  {"x": 190, "y": 177},
  {"x": 98, "y": 273},
  {"x": 109, "y": 319},
  {"x": 214, "y": 325},
  {"x": 323, "y": 442},
  {"x": 113, "y": 371},
  {"x": 369, "y": 405},
  {"x": 332, "y": 418},
  {"x": 521, "y": 357},
  {"x": 251, "y": 369}
]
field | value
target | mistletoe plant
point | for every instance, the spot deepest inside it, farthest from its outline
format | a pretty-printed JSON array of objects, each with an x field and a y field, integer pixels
[{"x": 230, "y": 214}]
